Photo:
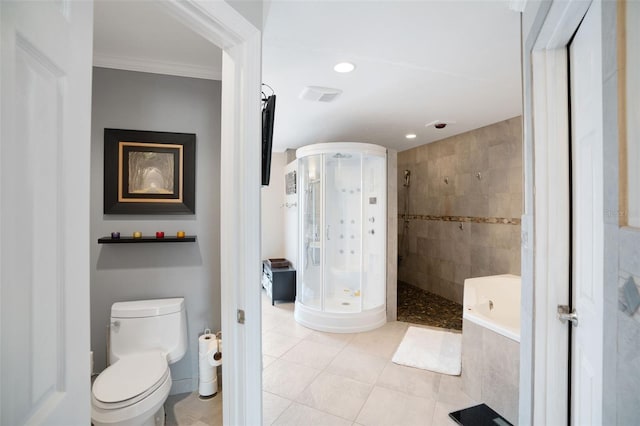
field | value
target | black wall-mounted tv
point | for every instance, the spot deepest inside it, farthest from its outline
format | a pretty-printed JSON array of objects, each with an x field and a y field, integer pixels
[{"x": 268, "y": 112}]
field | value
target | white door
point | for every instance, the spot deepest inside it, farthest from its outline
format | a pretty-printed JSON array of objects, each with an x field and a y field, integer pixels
[
  {"x": 587, "y": 263},
  {"x": 45, "y": 118}
]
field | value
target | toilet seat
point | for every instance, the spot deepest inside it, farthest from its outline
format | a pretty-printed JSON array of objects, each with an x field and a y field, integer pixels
[
  {"x": 147, "y": 411},
  {"x": 129, "y": 380}
]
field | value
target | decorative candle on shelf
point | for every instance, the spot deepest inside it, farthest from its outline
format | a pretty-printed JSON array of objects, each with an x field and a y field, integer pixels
[
  {"x": 180, "y": 234},
  {"x": 160, "y": 234},
  {"x": 115, "y": 235},
  {"x": 137, "y": 234}
]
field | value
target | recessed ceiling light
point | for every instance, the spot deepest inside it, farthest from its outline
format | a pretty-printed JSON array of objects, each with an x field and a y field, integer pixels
[
  {"x": 344, "y": 67},
  {"x": 410, "y": 136}
]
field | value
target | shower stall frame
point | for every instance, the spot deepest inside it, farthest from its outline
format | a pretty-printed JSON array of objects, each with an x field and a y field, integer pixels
[{"x": 323, "y": 317}]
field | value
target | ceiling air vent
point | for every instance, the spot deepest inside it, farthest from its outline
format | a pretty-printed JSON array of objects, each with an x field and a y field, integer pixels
[{"x": 319, "y": 94}]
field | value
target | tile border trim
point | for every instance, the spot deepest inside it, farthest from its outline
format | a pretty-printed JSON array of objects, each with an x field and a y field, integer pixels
[{"x": 472, "y": 219}]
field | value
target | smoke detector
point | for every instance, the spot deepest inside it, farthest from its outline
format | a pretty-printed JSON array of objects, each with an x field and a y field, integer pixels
[
  {"x": 319, "y": 94},
  {"x": 439, "y": 124}
]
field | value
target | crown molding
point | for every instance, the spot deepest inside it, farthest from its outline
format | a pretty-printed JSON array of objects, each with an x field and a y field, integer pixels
[{"x": 156, "y": 67}]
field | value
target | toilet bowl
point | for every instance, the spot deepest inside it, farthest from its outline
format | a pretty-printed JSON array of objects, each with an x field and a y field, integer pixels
[{"x": 133, "y": 389}]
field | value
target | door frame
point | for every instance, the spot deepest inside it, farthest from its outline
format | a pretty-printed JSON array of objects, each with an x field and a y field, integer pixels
[
  {"x": 546, "y": 265},
  {"x": 240, "y": 160}
]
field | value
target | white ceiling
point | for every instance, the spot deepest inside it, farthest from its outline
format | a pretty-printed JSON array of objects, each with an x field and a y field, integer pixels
[
  {"x": 139, "y": 36},
  {"x": 417, "y": 61}
]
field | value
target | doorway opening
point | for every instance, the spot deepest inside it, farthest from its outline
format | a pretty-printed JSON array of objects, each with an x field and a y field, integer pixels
[
  {"x": 212, "y": 53},
  {"x": 48, "y": 54}
]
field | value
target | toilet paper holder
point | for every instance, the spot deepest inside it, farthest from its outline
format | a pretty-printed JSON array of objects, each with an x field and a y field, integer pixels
[{"x": 210, "y": 357}]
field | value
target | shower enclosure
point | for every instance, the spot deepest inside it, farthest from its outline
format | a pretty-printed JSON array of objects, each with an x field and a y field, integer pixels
[{"x": 342, "y": 206}]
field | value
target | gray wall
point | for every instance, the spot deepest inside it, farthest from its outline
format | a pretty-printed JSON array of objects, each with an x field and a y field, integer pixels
[
  {"x": 140, "y": 101},
  {"x": 436, "y": 254}
]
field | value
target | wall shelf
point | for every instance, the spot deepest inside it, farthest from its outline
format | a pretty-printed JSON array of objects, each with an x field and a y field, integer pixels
[{"x": 130, "y": 240}]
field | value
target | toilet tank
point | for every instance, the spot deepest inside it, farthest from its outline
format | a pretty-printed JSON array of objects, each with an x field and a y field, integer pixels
[{"x": 148, "y": 325}]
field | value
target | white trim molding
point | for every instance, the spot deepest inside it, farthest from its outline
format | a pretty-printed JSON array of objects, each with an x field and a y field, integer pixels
[
  {"x": 551, "y": 234},
  {"x": 547, "y": 268},
  {"x": 561, "y": 23},
  {"x": 156, "y": 67},
  {"x": 240, "y": 160}
]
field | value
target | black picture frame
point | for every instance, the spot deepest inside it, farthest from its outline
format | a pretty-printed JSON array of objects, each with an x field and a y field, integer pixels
[{"x": 148, "y": 172}]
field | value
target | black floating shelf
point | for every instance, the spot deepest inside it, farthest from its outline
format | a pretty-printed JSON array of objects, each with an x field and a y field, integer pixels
[{"x": 131, "y": 240}]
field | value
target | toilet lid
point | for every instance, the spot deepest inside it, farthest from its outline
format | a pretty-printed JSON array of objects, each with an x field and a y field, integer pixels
[{"x": 130, "y": 376}]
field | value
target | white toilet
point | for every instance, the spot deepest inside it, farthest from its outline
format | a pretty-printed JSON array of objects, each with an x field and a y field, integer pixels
[{"x": 145, "y": 337}]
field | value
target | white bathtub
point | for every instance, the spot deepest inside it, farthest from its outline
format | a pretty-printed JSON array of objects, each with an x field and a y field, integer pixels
[{"x": 494, "y": 302}]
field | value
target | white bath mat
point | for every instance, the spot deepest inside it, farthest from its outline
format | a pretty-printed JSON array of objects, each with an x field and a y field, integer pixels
[{"x": 429, "y": 349}]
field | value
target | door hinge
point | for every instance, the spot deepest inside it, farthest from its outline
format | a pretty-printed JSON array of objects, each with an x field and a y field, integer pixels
[
  {"x": 240, "y": 316},
  {"x": 565, "y": 314}
]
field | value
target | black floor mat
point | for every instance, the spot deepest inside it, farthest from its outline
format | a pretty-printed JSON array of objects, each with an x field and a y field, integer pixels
[{"x": 479, "y": 415}]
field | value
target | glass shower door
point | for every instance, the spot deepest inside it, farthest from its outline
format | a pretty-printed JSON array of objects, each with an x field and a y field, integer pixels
[
  {"x": 310, "y": 274},
  {"x": 342, "y": 246}
]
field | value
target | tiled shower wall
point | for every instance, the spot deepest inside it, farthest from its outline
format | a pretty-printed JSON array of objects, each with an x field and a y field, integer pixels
[{"x": 465, "y": 203}]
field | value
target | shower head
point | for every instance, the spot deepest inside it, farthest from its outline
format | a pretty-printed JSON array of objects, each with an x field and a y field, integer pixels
[{"x": 407, "y": 178}]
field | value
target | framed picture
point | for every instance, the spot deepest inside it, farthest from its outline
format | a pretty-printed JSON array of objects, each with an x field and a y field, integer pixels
[{"x": 149, "y": 172}]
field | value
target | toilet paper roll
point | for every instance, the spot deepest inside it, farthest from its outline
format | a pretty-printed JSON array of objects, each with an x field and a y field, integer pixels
[
  {"x": 208, "y": 388},
  {"x": 206, "y": 370},
  {"x": 206, "y": 342},
  {"x": 213, "y": 362}
]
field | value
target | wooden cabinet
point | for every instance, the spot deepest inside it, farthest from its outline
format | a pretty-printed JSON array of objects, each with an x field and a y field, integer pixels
[{"x": 280, "y": 283}]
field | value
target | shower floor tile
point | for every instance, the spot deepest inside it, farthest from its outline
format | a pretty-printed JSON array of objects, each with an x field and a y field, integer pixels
[{"x": 418, "y": 306}]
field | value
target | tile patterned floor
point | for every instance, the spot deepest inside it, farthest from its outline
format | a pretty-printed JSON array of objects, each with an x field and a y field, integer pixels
[
  {"x": 188, "y": 409},
  {"x": 418, "y": 306},
  {"x": 314, "y": 378}
]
